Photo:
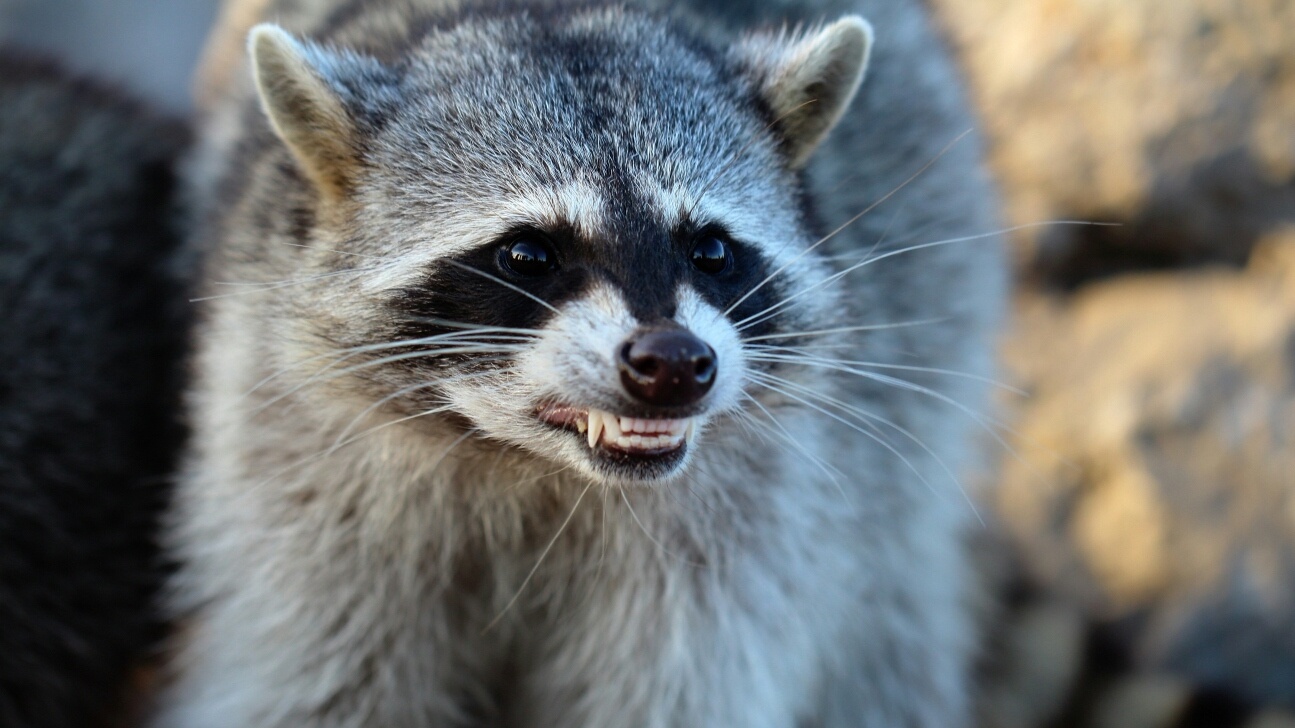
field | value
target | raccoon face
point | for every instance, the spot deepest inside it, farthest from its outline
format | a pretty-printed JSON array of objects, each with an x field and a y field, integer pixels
[
  {"x": 634, "y": 358},
  {"x": 577, "y": 232}
]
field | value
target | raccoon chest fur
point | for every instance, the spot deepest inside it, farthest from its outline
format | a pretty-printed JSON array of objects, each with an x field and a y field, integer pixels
[{"x": 554, "y": 370}]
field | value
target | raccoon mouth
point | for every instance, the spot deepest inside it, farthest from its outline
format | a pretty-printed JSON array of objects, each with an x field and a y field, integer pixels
[{"x": 629, "y": 435}]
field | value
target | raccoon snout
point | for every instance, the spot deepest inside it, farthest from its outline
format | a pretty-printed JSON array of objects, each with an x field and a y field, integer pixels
[{"x": 666, "y": 367}]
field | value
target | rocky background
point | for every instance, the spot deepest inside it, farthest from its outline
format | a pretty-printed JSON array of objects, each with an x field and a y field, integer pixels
[
  {"x": 1153, "y": 482},
  {"x": 1153, "y": 485}
]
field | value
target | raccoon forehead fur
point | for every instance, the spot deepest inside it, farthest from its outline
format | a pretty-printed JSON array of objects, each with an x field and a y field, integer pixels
[{"x": 459, "y": 135}]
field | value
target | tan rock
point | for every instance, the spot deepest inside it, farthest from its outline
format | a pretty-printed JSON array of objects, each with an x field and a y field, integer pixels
[
  {"x": 1176, "y": 117},
  {"x": 1156, "y": 477}
]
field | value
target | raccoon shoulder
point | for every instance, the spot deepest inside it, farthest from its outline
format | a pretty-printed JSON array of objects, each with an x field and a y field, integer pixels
[{"x": 93, "y": 309}]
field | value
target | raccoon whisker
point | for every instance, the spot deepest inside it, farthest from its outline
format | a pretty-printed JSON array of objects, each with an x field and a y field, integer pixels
[
  {"x": 447, "y": 323},
  {"x": 302, "y": 462},
  {"x": 705, "y": 504},
  {"x": 660, "y": 546},
  {"x": 602, "y": 541},
  {"x": 448, "y": 448},
  {"x": 500, "y": 454},
  {"x": 457, "y": 348},
  {"x": 783, "y": 383},
  {"x": 846, "y": 329},
  {"x": 276, "y": 285},
  {"x": 677, "y": 499},
  {"x": 394, "y": 395},
  {"x": 777, "y": 428},
  {"x": 989, "y": 234},
  {"x": 466, "y": 330},
  {"x": 748, "y": 423},
  {"x": 863, "y": 414},
  {"x": 517, "y": 484},
  {"x": 828, "y": 470},
  {"x": 874, "y": 376},
  {"x": 688, "y": 504},
  {"x": 469, "y": 336},
  {"x": 845, "y": 224},
  {"x": 988, "y": 424},
  {"x": 319, "y": 455},
  {"x": 391, "y": 258},
  {"x": 319, "y": 378},
  {"x": 875, "y": 436},
  {"x": 350, "y": 352},
  {"x": 813, "y": 346},
  {"x": 870, "y": 259},
  {"x": 983, "y": 420},
  {"x": 540, "y": 560},
  {"x": 912, "y": 234},
  {"x": 304, "y": 279},
  {"x": 502, "y": 282},
  {"x": 799, "y": 356},
  {"x": 391, "y": 423}
]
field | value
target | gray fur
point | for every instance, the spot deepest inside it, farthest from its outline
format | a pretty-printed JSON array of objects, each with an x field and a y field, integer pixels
[{"x": 471, "y": 567}]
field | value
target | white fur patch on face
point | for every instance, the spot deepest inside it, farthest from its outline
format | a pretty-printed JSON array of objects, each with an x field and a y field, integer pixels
[
  {"x": 755, "y": 216},
  {"x": 576, "y": 356},
  {"x": 713, "y": 327},
  {"x": 483, "y": 220},
  {"x": 575, "y": 359},
  {"x": 577, "y": 203},
  {"x": 572, "y": 370}
]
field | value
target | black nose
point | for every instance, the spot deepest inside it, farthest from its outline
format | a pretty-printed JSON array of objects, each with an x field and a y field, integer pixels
[{"x": 667, "y": 367}]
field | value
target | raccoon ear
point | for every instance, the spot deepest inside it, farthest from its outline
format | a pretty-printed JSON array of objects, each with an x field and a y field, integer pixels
[
  {"x": 304, "y": 108},
  {"x": 808, "y": 79}
]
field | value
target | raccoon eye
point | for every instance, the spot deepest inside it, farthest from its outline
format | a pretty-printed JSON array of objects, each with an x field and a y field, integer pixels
[
  {"x": 711, "y": 255},
  {"x": 528, "y": 257}
]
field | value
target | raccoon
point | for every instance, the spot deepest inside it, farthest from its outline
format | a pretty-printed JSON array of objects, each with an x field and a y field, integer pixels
[
  {"x": 92, "y": 296},
  {"x": 555, "y": 369}
]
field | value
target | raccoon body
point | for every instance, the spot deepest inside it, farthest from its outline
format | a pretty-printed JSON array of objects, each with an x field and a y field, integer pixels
[{"x": 553, "y": 375}]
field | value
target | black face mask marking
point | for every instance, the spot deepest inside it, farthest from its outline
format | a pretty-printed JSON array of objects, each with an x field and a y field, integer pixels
[{"x": 498, "y": 285}]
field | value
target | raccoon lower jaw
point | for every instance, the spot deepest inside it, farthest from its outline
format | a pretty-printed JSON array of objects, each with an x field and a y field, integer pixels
[{"x": 636, "y": 437}]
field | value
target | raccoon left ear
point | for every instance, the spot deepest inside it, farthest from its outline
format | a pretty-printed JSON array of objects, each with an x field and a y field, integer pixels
[
  {"x": 305, "y": 108},
  {"x": 808, "y": 79}
]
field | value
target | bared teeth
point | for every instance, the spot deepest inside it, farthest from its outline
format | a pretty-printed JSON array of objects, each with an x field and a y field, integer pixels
[
  {"x": 612, "y": 427},
  {"x": 635, "y": 433}
]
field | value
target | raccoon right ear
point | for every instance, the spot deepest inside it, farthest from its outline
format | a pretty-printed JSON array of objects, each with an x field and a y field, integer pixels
[
  {"x": 303, "y": 107},
  {"x": 808, "y": 79}
]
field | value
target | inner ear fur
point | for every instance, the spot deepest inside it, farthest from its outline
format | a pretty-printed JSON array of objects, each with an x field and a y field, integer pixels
[
  {"x": 304, "y": 109},
  {"x": 808, "y": 79}
]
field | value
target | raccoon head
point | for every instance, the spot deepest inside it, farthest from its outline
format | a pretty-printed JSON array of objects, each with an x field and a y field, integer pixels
[{"x": 570, "y": 229}]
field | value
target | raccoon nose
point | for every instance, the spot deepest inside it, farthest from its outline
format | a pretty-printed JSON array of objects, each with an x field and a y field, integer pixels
[{"x": 667, "y": 367}]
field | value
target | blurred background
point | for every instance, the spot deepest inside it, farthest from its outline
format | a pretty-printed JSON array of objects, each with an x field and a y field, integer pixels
[
  {"x": 148, "y": 46},
  {"x": 1153, "y": 489},
  {"x": 1155, "y": 483}
]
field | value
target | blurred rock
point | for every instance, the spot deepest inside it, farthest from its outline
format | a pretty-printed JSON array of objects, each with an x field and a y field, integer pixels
[
  {"x": 1156, "y": 477},
  {"x": 1174, "y": 117}
]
